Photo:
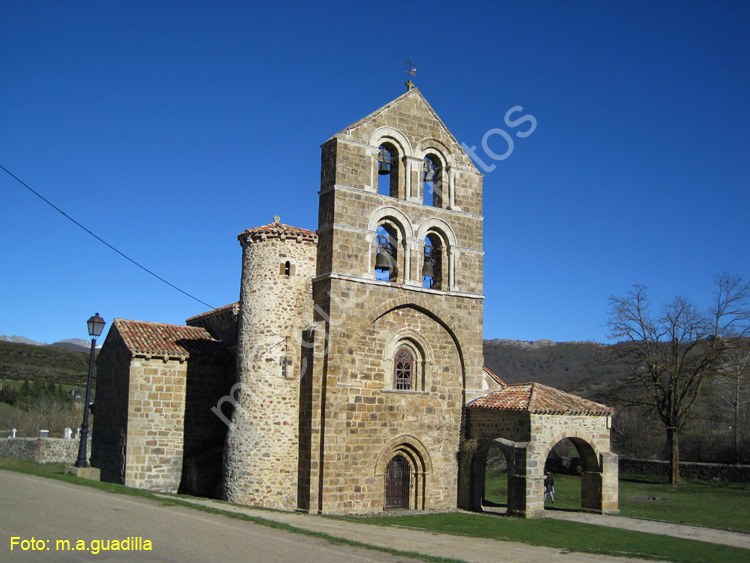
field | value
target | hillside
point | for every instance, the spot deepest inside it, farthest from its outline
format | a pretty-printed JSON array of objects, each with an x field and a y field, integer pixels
[
  {"x": 27, "y": 361},
  {"x": 576, "y": 367}
]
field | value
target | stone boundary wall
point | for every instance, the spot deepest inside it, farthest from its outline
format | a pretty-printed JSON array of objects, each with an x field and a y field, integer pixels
[
  {"x": 42, "y": 450},
  {"x": 689, "y": 469}
]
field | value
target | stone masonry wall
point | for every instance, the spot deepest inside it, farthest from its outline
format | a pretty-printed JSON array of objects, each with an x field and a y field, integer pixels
[
  {"x": 364, "y": 414},
  {"x": 221, "y": 323},
  {"x": 207, "y": 382},
  {"x": 111, "y": 409},
  {"x": 42, "y": 450},
  {"x": 155, "y": 431},
  {"x": 688, "y": 469}
]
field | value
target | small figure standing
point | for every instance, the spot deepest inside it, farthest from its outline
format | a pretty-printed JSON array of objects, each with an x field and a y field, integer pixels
[{"x": 549, "y": 487}]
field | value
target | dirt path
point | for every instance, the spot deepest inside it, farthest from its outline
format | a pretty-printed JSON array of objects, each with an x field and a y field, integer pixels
[{"x": 699, "y": 533}]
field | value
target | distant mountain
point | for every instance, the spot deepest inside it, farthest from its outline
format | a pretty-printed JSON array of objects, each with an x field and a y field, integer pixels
[
  {"x": 73, "y": 344},
  {"x": 19, "y": 340}
]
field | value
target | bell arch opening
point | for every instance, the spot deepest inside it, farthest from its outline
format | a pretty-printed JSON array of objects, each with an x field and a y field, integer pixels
[
  {"x": 389, "y": 170},
  {"x": 433, "y": 259},
  {"x": 387, "y": 252},
  {"x": 432, "y": 181}
]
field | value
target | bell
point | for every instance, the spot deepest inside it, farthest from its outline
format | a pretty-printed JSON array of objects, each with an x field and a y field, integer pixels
[
  {"x": 382, "y": 262},
  {"x": 384, "y": 159},
  {"x": 427, "y": 269},
  {"x": 429, "y": 174}
]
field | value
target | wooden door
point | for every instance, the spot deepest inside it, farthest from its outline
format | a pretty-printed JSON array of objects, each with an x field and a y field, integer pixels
[{"x": 397, "y": 483}]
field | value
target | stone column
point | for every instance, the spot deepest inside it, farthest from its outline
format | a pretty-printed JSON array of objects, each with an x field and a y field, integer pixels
[{"x": 610, "y": 485}]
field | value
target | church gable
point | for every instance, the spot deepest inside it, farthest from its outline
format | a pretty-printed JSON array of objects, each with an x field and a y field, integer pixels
[{"x": 410, "y": 119}]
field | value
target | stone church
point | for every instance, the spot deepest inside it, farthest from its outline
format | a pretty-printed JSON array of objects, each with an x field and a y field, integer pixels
[{"x": 349, "y": 376}]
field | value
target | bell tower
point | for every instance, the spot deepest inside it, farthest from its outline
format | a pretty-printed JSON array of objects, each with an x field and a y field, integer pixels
[{"x": 399, "y": 311}]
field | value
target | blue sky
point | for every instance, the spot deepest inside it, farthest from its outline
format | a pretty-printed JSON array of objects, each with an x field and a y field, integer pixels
[{"x": 167, "y": 128}]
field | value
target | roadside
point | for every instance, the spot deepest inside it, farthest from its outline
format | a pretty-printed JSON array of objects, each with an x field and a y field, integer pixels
[
  {"x": 462, "y": 548},
  {"x": 474, "y": 537}
]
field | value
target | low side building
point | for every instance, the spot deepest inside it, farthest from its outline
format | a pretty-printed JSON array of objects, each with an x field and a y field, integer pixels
[{"x": 155, "y": 387}]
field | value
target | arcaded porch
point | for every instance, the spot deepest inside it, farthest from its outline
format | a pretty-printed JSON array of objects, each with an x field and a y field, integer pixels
[{"x": 526, "y": 420}]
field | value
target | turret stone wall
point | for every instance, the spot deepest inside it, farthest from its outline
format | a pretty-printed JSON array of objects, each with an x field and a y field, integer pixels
[{"x": 261, "y": 459}]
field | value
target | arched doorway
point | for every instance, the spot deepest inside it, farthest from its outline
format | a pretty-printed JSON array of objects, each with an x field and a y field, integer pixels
[
  {"x": 564, "y": 467},
  {"x": 404, "y": 466},
  {"x": 497, "y": 471},
  {"x": 397, "y": 483}
]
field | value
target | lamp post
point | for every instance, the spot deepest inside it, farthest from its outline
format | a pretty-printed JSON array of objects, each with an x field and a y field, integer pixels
[{"x": 96, "y": 325}]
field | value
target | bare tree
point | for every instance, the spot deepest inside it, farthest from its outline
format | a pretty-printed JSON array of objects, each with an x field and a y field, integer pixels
[
  {"x": 671, "y": 354},
  {"x": 733, "y": 377}
]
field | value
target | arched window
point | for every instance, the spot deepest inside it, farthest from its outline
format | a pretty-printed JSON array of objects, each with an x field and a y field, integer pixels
[
  {"x": 388, "y": 170},
  {"x": 403, "y": 368},
  {"x": 287, "y": 269},
  {"x": 405, "y": 361}
]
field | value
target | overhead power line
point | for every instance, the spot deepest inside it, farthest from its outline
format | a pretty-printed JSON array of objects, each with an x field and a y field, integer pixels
[{"x": 104, "y": 242}]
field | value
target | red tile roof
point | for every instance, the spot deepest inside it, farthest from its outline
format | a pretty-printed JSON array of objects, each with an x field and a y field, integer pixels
[
  {"x": 159, "y": 339},
  {"x": 278, "y": 230},
  {"x": 538, "y": 399},
  {"x": 494, "y": 376}
]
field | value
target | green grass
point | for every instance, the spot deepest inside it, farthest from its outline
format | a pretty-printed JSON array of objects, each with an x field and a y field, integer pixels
[
  {"x": 566, "y": 536},
  {"x": 725, "y": 506}
]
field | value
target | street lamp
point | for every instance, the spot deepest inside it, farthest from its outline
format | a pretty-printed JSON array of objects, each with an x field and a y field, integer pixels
[{"x": 96, "y": 325}]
